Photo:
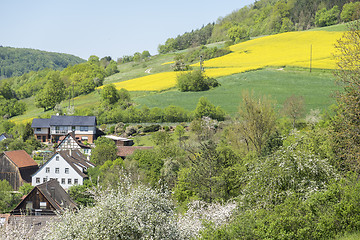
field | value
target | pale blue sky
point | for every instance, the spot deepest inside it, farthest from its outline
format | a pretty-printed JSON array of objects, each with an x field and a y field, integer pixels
[{"x": 104, "y": 28}]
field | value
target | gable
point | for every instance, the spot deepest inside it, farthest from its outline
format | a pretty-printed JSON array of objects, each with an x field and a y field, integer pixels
[
  {"x": 53, "y": 163},
  {"x": 68, "y": 143}
]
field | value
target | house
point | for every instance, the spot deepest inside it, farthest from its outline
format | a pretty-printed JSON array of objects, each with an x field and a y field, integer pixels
[
  {"x": 69, "y": 142},
  {"x": 120, "y": 141},
  {"x": 45, "y": 199},
  {"x": 4, "y": 136},
  {"x": 17, "y": 167},
  {"x": 52, "y": 129},
  {"x": 68, "y": 167}
]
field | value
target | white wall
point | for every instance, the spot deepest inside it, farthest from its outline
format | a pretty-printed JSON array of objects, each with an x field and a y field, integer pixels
[{"x": 52, "y": 164}]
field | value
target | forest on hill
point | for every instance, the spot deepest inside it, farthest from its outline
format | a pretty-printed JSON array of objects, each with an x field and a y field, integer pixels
[
  {"x": 18, "y": 61},
  {"x": 266, "y": 17}
]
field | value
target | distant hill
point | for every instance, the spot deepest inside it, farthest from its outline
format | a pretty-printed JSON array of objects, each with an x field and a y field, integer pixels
[{"x": 17, "y": 61}]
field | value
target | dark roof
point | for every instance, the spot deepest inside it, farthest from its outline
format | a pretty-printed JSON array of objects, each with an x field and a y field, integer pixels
[
  {"x": 20, "y": 158},
  {"x": 61, "y": 200},
  {"x": 73, "y": 121},
  {"x": 76, "y": 158},
  {"x": 40, "y": 123},
  {"x": 54, "y": 194}
]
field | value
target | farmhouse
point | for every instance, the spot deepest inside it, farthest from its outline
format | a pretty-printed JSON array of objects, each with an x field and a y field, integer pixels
[
  {"x": 68, "y": 167},
  {"x": 17, "y": 167},
  {"x": 52, "y": 129},
  {"x": 45, "y": 199}
]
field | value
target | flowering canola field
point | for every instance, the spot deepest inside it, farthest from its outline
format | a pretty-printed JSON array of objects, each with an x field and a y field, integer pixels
[{"x": 286, "y": 49}]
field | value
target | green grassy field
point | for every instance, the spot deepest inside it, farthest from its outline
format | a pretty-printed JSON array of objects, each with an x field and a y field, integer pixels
[{"x": 316, "y": 88}]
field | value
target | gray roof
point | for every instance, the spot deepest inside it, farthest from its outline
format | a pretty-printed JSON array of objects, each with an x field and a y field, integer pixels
[
  {"x": 61, "y": 200},
  {"x": 73, "y": 121},
  {"x": 40, "y": 123},
  {"x": 76, "y": 158}
]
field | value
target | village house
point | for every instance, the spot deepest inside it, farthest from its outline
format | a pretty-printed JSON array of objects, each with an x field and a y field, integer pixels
[
  {"x": 68, "y": 167},
  {"x": 69, "y": 142},
  {"x": 16, "y": 167},
  {"x": 56, "y": 127},
  {"x": 45, "y": 199}
]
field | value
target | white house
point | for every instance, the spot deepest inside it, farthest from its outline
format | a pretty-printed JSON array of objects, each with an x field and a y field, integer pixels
[
  {"x": 67, "y": 167},
  {"x": 52, "y": 129}
]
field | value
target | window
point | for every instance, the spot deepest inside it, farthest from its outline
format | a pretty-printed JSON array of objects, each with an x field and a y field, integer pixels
[
  {"x": 44, "y": 179},
  {"x": 37, "y": 180},
  {"x": 86, "y": 151},
  {"x": 84, "y": 138},
  {"x": 57, "y": 158},
  {"x": 63, "y": 181},
  {"x": 43, "y": 205},
  {"x": 76, "y": 181},
  {"x": 84, "y": 128},
  {"x": 73, "y": 128},
  {"x": 69, "y": 180},
  {"x": 57, "y": 170},
  {"x": 38, "y": 129},
  {"x": 38, "y": 137},
  {"x": 47, "y": 170},
  {"x": 67, "y": 170}
]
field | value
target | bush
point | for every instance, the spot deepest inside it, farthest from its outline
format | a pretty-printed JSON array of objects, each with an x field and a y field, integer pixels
[{"x": 195, "y": 81}]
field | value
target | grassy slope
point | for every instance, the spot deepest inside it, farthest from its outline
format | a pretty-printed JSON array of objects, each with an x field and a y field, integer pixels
[
  {"x": 316, "y": 87},
  {"x": 278, "y": 84}
]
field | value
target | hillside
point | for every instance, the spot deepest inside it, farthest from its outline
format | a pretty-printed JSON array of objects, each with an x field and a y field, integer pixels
[
  {"x": 280, "y": 73},
  {"x": 17, "y": 61}
]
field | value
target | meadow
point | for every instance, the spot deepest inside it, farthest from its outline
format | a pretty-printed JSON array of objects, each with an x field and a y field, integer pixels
[
  {"x": 278, "y": 84},
  {"x": 276, "y": 65},
  {"x": 296, "y": 49}
]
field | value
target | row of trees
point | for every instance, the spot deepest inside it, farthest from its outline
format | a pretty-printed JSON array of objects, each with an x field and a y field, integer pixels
[{"x": 267, "y": 17}]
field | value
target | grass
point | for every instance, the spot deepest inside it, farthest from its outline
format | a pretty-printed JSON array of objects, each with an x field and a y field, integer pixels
[
  {"x": 247, "y": 56},
  {"x": 354, "y": 236},
  {"x": 278, "y": 84}
]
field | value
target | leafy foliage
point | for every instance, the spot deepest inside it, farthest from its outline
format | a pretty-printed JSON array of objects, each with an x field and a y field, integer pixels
[
  {"x": 18, "y": 61},
  {"x": 195, "y": 81}
]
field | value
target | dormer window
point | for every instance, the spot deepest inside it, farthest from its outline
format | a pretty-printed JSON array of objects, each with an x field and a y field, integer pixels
[{"x": 57, "y": 158}]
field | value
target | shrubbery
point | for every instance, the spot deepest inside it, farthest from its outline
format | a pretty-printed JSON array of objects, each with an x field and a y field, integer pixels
[{"x": 195, "y": 81}]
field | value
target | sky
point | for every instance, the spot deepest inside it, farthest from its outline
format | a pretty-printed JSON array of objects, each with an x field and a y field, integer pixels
[{"x": 104, "y": 28}]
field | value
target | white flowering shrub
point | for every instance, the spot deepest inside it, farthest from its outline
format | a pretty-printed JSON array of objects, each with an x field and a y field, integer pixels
[
  {"x": 288, "y": 172},
  {"x": 133, "y": 213},
  {"x": 199, "y": 212}
]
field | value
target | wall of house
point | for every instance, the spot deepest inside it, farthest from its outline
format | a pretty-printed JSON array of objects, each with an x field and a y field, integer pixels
[
  {"x": 62, "y": 177},
  {"x": 10, "y": 173}
]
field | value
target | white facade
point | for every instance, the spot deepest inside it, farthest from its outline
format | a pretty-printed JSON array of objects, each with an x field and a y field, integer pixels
[
  {"x": 58, "y": 168},
  {"x": 88, "y": 130},
  {"x": 41, "y": 131}
]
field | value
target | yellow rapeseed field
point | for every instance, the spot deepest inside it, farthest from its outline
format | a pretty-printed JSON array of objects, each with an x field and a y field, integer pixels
[
  {"x": 286, "y": 49},
  {"x": 155, "y": 82}
]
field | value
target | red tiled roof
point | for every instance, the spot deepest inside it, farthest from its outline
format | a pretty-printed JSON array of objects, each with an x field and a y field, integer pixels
[
  {"x": 20, "y": 158},
  {"x": 124, "y": 151}
]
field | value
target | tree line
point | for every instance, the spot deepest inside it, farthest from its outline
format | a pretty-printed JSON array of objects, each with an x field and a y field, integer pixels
[
  {"x": 266, "y": 17},
  {"x": 18, "y": 61}
]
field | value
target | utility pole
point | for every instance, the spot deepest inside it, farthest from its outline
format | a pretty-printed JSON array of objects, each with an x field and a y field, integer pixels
[
  {"x": 201, "y": 63},
  {"x": 310, "y": 56}
]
